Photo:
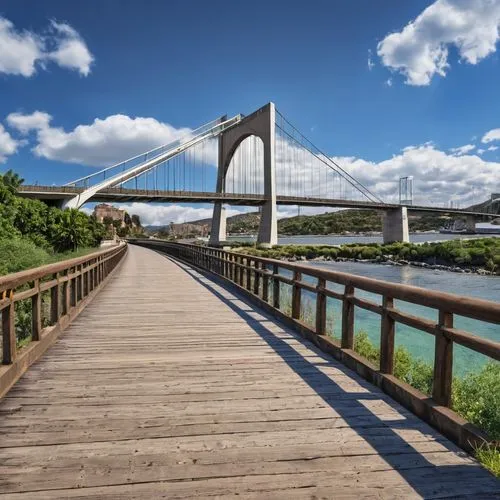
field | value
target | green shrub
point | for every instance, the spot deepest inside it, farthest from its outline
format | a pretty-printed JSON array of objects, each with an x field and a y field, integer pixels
[
  {"x": 17, "y": 254},
  {"x": 477, "y": 398}
]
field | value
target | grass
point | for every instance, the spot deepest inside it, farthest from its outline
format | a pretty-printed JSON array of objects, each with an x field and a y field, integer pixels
[
  {"x": 19, "y": 254},
  {"x": 489, "y": 456}
]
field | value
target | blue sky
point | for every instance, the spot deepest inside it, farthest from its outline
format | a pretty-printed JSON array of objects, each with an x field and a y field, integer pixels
[{"x": 384, "y": 105}]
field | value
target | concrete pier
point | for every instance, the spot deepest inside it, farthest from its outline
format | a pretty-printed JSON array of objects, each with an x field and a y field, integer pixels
[
  {"x": 218, "y": 233},
  {"x": 395, "y": 225}
]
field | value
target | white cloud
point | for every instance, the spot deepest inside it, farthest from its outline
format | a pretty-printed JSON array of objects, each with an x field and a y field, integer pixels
[
  {"x": 22, "y": 52},
  {"x": 8, "y": 145},
  {"x": 371, "y": 64},
  {"x": 19, "y": 50},
  {"x": 420, "y": 49},
  {"x": 467, "y": 148},
  {"x": 24, "y": 123},
  {"x": 153, "y": 214},
  {"x": 102, "y": 143},
  {"x": 480, "y": 151},
  {"x": 492, "y": 148},
  {"x": 388, "y": 82},
  {"x": 438, "y": 176},
  {"x": 70, "y": 51},
  {"x": 492, "y": 135}
]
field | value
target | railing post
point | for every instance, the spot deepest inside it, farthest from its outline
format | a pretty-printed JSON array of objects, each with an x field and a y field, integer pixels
[
  {"x": 36, "y": 312},
  {"x": 243, "y": 262},
  {"x": 67, "y": 291},
  {"x": 443, "y": 362},
  {"x": 387, "y": 332},
  {"x": 236, "y": 269},
  {"x": 265, "y": 284},
  {"x": 256, "y": 277},
  {"x": 276, "y": 287},
  {"x": 321, "y": 307},
  {"x": 296, "y": 294},
  {"x": 9, "y": 347},
  {"x": 347, "y": 341},
  {"x": 249, "y": 274},
  {"x": 54, "y": 301},
  {"x": 79, "y": 295}
]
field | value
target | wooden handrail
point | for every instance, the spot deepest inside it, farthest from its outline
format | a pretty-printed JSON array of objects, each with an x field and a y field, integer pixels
[
  {"x": 66, "y": 283},
  {"x": 245, "y": 269}
]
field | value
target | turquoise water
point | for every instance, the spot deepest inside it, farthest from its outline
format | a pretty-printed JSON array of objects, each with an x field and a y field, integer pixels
[{"x": 419, "y": 343}]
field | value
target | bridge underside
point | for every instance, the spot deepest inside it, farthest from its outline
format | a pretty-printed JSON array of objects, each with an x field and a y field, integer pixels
[{"x": 142, "y": 398}]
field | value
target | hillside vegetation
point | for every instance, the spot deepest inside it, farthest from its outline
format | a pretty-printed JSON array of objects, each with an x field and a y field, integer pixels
[
  {"x": 468, "y": 254},
  {"x": 33, "y": 234},
  {"x": 344, "y": 221}
]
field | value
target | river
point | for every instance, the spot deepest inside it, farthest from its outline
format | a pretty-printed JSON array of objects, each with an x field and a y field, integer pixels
[{"x": 419, "y": 343}]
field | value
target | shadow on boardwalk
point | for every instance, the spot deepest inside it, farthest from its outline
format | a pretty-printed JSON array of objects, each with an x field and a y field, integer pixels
[{"x": 426, "y": 478}]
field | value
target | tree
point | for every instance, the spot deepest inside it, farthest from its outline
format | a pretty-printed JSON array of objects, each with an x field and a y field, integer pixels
[
  {"x": 71, "y": 230},
  {"x": 136, "y": 220},
  {"x": 12, "y": 180}
]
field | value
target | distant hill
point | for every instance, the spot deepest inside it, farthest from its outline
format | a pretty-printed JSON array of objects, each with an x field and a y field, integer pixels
[{"x": 344, "y": 221}]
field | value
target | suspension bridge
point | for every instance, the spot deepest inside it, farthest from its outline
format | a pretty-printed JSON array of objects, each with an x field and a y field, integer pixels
[{"x": 256, "y": 160}]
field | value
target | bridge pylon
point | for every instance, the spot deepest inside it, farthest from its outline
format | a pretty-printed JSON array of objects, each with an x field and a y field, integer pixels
[{"x": 261, "y": 123}]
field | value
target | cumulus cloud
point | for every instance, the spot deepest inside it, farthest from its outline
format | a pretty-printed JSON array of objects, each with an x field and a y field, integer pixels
[
  {"x": 467, "y": 148},
  {"x": 492, "y": 148},
  {"x": 421, "y": 49},
  {"x": 492, "y": 135},
  {"x": 438, "y": 177},
  {"x": 152, "y": 214},
  {"x": 22, "y": 52},
  {"x": 24, "y": 123},
  {"x": 102, "y": 143},
  {"x": 8, "y": 145},
  {"x": 69, "y": 49}
]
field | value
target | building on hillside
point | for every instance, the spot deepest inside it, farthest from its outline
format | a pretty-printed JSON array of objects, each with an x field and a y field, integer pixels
[
  {"x": 186, "y": 230},
  {"x": 103, "y": 211}
]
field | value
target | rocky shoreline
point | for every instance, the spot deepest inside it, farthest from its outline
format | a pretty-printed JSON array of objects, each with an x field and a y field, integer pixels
[{"x": 389, "y": 262}]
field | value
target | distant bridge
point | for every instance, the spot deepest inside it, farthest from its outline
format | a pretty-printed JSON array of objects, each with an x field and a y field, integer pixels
[
  {"x": 261, "y": 159},
  {"x": 128, "y": 195}
]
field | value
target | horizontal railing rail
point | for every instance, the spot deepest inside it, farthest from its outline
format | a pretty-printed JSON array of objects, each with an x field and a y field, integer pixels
[
  {"x": 54, "y": 292},
  {"x": 261, "y": 277}
]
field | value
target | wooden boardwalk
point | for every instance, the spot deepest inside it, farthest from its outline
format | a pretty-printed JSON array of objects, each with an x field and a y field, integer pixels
[{"x": 170, "y": 386}]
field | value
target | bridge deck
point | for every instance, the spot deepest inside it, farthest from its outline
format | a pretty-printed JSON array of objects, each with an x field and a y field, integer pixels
[{"x": 169, "y": 385}]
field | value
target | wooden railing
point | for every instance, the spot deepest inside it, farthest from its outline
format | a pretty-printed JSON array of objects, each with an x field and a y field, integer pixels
[
  {"x": 54, "y": 294},
  {"x": 261, "y": 278}
]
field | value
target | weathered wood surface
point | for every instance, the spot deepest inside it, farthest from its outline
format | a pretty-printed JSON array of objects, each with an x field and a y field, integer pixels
[{"x": 170, "y": 386}]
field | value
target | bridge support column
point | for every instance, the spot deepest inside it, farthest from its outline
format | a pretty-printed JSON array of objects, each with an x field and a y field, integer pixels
[
  {"x": 268, "y": 229},
  {"x": 395, "y": 225},
  {"x": 470, "y": 224},
  {"x": 218, "y": 230},
  {"x": 261, "y": 123}
]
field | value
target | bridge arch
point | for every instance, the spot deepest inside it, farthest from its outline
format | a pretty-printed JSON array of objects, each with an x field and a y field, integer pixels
[
  {"x": 261, "y": 123},
  {"x": 244, "y": 167}
]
